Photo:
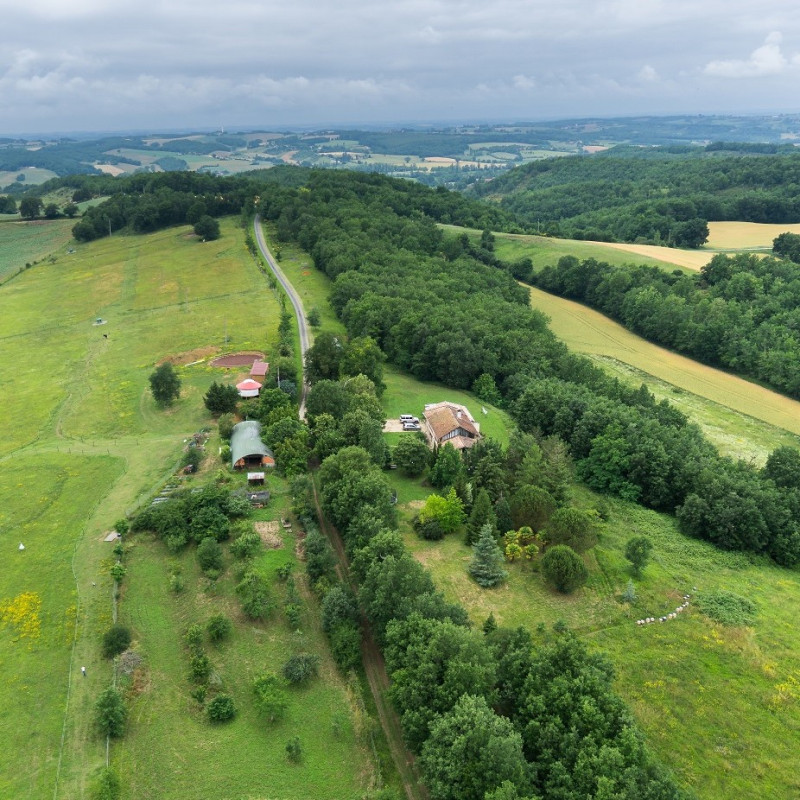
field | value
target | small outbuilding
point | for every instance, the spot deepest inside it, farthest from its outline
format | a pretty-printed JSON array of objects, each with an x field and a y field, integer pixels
[
  {"x": 247, "y": 449},
  {"x": 248, "y": 388},
  {"x": 260, "y": 369},
  {"x": 255, "y": 478}
]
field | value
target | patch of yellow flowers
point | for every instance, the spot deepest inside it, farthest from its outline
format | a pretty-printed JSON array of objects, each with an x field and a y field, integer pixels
[{"x": 22, "y": 614}]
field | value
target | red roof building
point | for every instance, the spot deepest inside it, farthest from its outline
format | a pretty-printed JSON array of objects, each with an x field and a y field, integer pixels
[
  {"x": 260, "y": 369},
  {"x": 450, "y": 422},
  {"x": 248, "y": 388}
]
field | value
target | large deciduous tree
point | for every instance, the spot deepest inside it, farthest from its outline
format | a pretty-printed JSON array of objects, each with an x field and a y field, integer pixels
[
  {"x": 165, "y": 384},
  {"x": 472, "y": 751}
]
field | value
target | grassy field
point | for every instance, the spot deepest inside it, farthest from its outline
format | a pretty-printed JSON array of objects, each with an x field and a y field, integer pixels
[
  {"x": 83, "y": 443},
  {"x": 25, "y": 242},
  {"x": 719, "y": 705},
  {"x": 545, "y": 251},
  {"x": 246, "y": 758},
  {"x": 33, "y": 176}
]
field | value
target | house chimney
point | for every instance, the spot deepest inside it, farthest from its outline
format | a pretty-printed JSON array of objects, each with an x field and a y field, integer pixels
[{"x": 458, "y": 414}]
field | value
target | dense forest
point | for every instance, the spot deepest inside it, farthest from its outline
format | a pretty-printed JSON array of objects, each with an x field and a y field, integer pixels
[
  {"x": 441, "y": 313},
  {"x": 663, "y": 195}
]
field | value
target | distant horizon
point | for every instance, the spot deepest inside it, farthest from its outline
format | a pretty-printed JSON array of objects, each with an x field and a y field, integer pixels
[{"x": 236, "y": 128}]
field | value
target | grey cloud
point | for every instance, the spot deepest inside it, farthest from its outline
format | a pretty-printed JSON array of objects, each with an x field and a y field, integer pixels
[{"x": 85, "y": 63}]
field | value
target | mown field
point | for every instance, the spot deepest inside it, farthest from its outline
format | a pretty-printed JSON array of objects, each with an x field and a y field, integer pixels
[
  {"x": 83, "y": 443},
  {"x": 22, "y": 243},
  {"x": 736, "y": 402}
]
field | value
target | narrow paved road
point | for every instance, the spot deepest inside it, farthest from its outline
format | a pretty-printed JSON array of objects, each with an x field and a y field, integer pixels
[{"x": 297, "y": 304}]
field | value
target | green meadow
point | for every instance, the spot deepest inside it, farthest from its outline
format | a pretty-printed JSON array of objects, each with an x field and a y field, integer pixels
[
  {"x": 82, "y": 444},
  {"x": 23, "y": 243}
]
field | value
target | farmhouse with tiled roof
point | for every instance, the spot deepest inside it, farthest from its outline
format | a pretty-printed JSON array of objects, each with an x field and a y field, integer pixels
[{"x": 450, "y": 422}]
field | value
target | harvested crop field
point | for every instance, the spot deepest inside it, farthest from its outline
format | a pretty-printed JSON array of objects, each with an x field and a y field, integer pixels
[
  {"x": 741, "y": 235},
  {"x": 237, "y": 360},
  {"x": 691, "y": 259}
]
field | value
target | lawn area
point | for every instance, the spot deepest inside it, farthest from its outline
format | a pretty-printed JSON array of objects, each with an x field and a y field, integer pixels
[
  {"x": 22, "y": 243},
  {"x": 719, "y": 705},
  {"x": 406, "y": 395}
]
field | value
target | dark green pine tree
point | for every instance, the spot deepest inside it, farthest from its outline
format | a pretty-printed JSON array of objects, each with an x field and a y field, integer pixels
[
  {"x": 502, "y": 511},
  {"x": 482, "y": 514},
  {"x": 486, "y": 566}
]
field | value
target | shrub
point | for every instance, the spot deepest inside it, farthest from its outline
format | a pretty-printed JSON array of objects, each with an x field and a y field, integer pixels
[
  {"x": 727, "y": 608},
  {"x": 294, "y": 750},
  {"x": 225, "y": 425},
  {"x": 247, "y": 545},
  {"x": 254, "y": 595},
  {"x": 176, "y": 583},
  {"x": 219, "y": 628},
  {"x": 345, "y": 641},
  {"x": 115, "y": 640},
  {"x": 199, "y": 693},
  {"x": 221, "y": 709},
  {"x": 271, "y": 701},
  {"x": 300, "y": 668},
  {"x": 637, "y": 551},
  {"x": 239, "y": 505},
  {"x": 111, "y": 713},
  {"x": 209, "y": 554},
  {"x": 122, "y": 526},
  {"x": 193, "y": 638},
  {"x": 564, "y": 568},
  {"x": 200, "y": 668},
  {"x": 107, "y": 786}
]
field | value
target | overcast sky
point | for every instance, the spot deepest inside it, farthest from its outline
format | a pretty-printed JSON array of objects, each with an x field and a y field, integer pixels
[{"x": 87, "y": 65}]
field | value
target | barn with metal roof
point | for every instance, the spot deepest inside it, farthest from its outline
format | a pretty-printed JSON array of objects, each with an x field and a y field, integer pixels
[{"x": 247, "y": 449}]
